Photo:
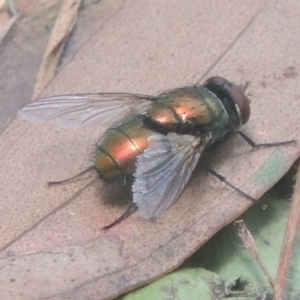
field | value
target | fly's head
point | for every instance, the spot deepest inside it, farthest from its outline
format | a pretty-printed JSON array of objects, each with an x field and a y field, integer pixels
[{"x": 233, "y": 98}]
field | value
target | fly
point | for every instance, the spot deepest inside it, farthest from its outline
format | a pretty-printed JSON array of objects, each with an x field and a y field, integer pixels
[{"x": 157, "y": 140}]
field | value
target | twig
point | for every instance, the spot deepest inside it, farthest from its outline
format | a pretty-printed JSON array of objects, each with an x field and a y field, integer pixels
[
  {"x": 249, "y": 244},
  {"x": 288, "y": 245}
]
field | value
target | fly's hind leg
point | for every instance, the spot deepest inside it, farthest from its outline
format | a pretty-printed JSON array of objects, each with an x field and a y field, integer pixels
[
  {"x": 254, "y": 145},
  {"x": 71, "y": 178},
  {"x": 130, "y": 209}
]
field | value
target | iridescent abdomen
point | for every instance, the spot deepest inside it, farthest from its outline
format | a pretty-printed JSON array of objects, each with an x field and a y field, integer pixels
[{"x": 117, "y": 151}]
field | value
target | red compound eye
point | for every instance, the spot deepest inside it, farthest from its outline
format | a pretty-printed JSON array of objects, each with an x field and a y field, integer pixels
[{"x": 220, "y": 85}]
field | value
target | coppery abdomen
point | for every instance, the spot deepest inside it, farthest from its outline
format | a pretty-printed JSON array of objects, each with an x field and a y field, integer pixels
[{"x": 117, "y": 150}]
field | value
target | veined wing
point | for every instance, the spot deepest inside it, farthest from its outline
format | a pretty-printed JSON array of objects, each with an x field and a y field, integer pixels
[
  {"x": 73, "y": 111},
  {"x": 163, "y": 170}
]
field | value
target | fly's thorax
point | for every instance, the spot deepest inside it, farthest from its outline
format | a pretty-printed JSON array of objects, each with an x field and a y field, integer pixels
[
  {"x": 117, "y": 150},
  {"x": 193, "y": 105}
]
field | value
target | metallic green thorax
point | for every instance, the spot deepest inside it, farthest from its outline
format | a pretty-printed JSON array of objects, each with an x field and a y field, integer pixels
[
  {"x": 190, "y": 110},
  {"x": 195, "y": 104}
]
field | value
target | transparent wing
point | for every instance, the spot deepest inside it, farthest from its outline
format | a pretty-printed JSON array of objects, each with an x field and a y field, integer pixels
[
  {"x": 73, "y": 111},
  {"x": 162, "y": 172}
]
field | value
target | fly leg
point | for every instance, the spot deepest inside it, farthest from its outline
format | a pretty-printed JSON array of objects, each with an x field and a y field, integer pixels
[
  {"x": 223, "y": 179},
  {"x": 71, "y": 178},
  {"x": 254, "y": 145},
  {"x": 130, "y": 209}
]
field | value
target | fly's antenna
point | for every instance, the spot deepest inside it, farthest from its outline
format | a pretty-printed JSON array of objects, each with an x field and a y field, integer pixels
[{"x": 244, "y": 87}]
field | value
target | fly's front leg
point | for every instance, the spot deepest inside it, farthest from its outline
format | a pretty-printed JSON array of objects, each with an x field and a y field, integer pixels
[{"x": 254, "y": 145}]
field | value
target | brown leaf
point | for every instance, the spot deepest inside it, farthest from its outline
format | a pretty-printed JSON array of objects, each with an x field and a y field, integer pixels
[{"x": 51, "y": 238}]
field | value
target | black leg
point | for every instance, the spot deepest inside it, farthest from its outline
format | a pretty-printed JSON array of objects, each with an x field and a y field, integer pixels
[
  {"x": 223, "y": 179},
  {"x": 130, "y": 209},
  {"x": 71, "y": 178},
  {"x": 254, "y": 145}
]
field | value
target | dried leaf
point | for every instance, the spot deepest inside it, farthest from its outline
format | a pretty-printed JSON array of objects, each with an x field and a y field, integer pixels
[
  {"x": 60, "y": 33},
  {"x": 23, "y": 49},
  {"x": 54, "y": 234},
  {"x": 8, "y": 16}
]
